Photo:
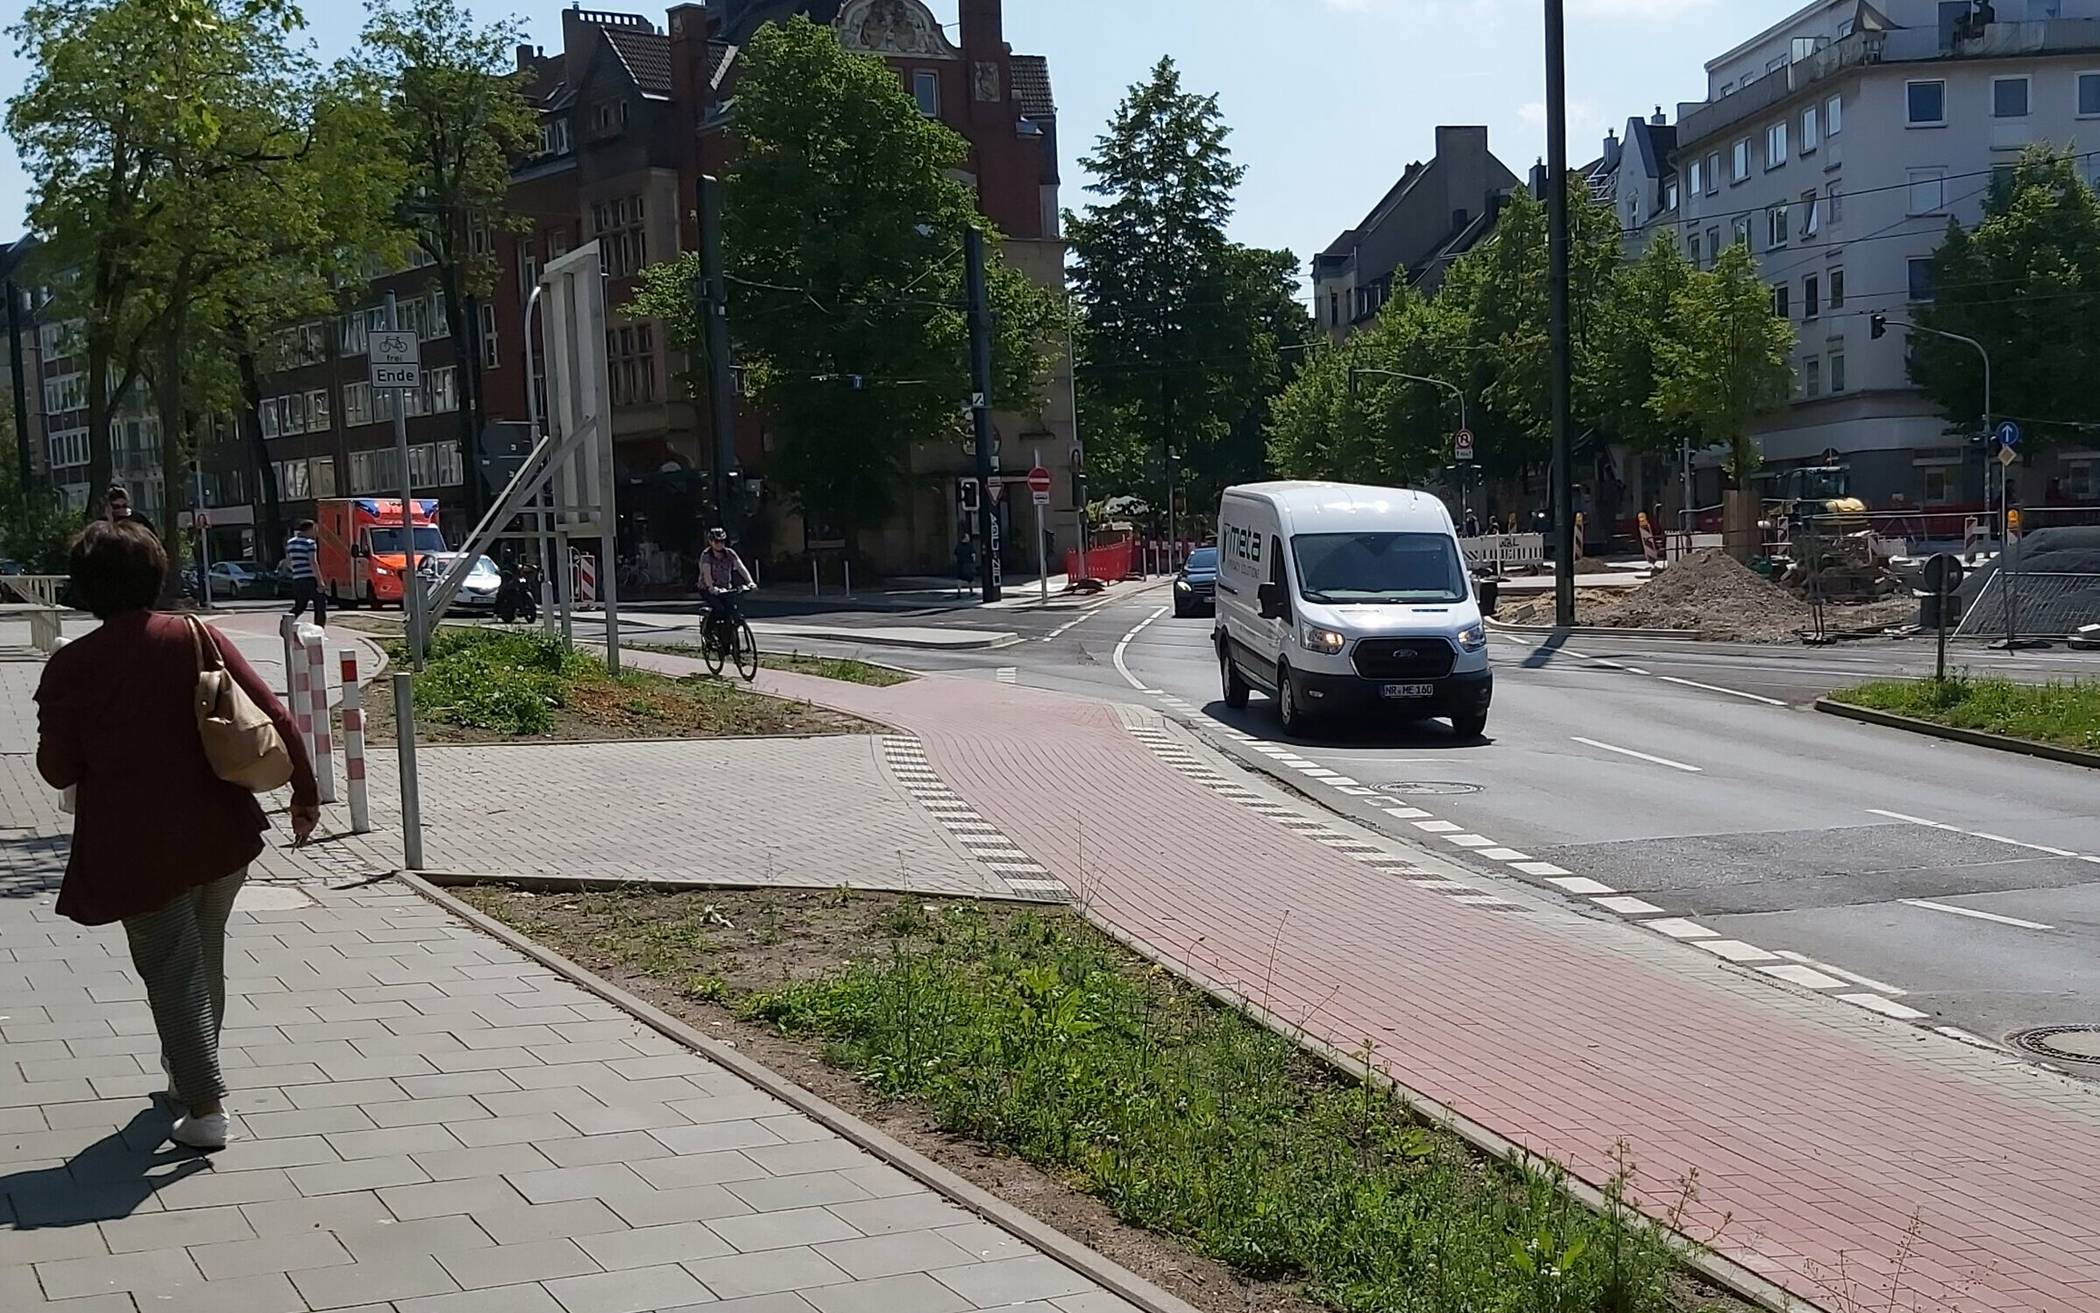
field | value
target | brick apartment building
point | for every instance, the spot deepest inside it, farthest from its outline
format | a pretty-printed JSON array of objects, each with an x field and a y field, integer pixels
[{"x": 621, "y": 151}]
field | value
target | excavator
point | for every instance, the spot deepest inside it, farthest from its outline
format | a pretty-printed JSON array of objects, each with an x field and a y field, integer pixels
[{"x": 1818, "y": 497}]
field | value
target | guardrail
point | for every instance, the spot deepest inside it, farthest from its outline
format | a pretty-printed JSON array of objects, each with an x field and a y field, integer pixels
[{"x": 41, "y": 591}]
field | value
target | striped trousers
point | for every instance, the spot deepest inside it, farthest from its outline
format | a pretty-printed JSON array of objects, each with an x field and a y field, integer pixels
[{"x": 180, "y": 952}]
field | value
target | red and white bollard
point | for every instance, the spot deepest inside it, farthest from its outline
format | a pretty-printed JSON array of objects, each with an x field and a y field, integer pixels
[
  {"x": 287, "y": 629},
  {"x": 323, "y": 740},
  {"x": 297, "y": 681},
  {"x": 354, "y": 745}
]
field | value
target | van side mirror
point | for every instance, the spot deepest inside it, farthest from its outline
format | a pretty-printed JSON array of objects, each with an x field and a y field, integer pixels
[
  {"x": 1275, "y": 603},
  {"x": 357, "y": 549}
]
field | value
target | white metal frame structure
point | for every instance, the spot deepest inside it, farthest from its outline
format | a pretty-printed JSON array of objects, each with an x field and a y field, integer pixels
[{"x": 574, "y": 458}]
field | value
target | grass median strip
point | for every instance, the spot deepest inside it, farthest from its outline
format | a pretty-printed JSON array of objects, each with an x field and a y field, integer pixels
[
  {"x": 1029, "y": 1033},
  {"x": 2066, "y": 714},
  {"x": 486, "y": 685}
]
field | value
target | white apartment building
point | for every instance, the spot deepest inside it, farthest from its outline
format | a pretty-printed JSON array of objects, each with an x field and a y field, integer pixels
[{"x": 1838, "y": 143}]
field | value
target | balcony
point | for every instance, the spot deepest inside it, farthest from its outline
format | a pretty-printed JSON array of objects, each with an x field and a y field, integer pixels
[{"x": 1696, "y": 123}]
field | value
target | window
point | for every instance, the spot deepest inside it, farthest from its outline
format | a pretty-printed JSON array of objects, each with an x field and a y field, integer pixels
[
  {"x": 1698, "y": 254},
  {"x": 1713, "y": 243},
  {"x": 926, "y": 89},
  {"x": 554, "y": 135},
  {"x": 1781, "y": 307},
  {"x": 1775, "y": 145},
  {"x": 1810, "y": 118},
  {"x": 2009, "y": 98},
  {"x": 444, "y": 389},
  {"x": 1670, "y": 195},
  {"x": 1777, "y": 226},
  {"x": 1939, "y": 487},
  {"x": 1334, "y": 309},
  {"x": 1834, "y": 369},
  {"x": 294, "y": 420},
  {"x": 323, "y": 474},
  {"x": 2089, "y": 95},
  {"x": 351, "y": 334},
  {"x": 490, "y": 354},
  {"x": 2078, "y": 479},
  {"x": 1837, "y": 289},
  {"x": 1926, "y": 103},
  {"x": 1811, "y": 222},
  {"x": 528, "y": 275},
  {"x": 1741, "y": 172},
  {"x": 357, "y": 404},
  {"x": 266, "y": 414},
  {"x": 1833, "y": 202},
  {"x": 1812, "y": 377},
  {"x": 1833, "y": 116},
  {"x": 622, "y": 241},
  {"x": 1811, "y": 297},
  {"x": 1774, "y": 65},
  {"x": 317, "y": 411},
  {"x": 1695, "y": 177},
  {"x": 1920, "y": 269},
  {"x": 440, "y": 325},
  {"x": 1742, "y": 229},
  {"x": 1928, "y": 190},
  {"x": 1713, "y": 173},
  {"x": 1728, "y": 88}
]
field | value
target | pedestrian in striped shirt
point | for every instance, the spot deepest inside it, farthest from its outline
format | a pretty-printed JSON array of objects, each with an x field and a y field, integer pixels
[{"x": 299, "y": 564}]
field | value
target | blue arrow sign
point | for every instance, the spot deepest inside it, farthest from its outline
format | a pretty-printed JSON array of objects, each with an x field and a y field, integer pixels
[{"x": 2008, "y": 434}]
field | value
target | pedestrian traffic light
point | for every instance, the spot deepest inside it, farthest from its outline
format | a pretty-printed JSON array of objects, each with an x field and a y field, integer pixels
[{"x": 1877, "y": 325}]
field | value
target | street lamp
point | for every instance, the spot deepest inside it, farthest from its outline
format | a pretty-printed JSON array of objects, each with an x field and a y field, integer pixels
[{"x": 1452, "y": 388}]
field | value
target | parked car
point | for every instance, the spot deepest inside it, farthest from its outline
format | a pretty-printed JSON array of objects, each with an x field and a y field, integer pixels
[
  {"x": 229, "y": 579},
  {"x": 1196, "y": 585},
  {"x": 477, "y": 592}
]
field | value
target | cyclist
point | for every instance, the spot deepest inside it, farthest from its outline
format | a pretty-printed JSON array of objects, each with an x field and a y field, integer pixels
[{"x": 722, "y": 575}]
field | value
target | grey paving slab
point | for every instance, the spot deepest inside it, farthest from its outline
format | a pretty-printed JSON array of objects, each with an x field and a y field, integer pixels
[{"x": 431, "y": 1123}]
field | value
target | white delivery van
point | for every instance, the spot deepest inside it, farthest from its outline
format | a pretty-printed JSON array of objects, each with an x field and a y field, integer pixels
[{"x": 1334, "y": 597}]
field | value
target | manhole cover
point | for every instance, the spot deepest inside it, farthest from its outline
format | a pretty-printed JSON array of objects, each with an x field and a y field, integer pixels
[
  {"x": 1427, "y": 788},
  {"x": 2075, "y": 1043}
]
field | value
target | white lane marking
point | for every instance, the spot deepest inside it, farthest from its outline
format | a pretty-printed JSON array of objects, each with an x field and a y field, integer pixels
[
  {"x": 1981, "y": 834},
  {"x": 1353, "y": 790},
  {"x": 1123, "y": 667},
  {"x": 1470, "y": 840},
  {"x": 1009, "y": 674},
  {"x": 1481, "y": 900},
  {"x": 1866, "y": 981},
  {"x": 1677, "y": 927},
  {"x": 1541, "y": 869},
  {"x": 1716, "y": 688},
  {"x": 1629, "y": 752},
  {"x": 1628, "y": 906},
  {"x": 1038, "y": 886},
  {"x": 1318, "y": 772},
  {"x": 1438, "y": 827},
  {"x": 1806, "y": 977},
  {"x": 1504, "y": 855},
  {"x": 1972, "y": 913},
  {"x": 1581, "y": 884},
  {"x": 1405, "y": 813},
  {"x": 1062, "y": 629},
  {"x": 1343, "y": 782},
  {"x": 1876, "y": 1003},
  {"x": 1735, "y": 950},
  {"x": 1615, "y": 665},
  {"x": 1442, "y": 884}
]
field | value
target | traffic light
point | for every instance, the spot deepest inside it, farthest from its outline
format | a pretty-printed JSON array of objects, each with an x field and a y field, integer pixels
[{"x": 1877, "y": 325}]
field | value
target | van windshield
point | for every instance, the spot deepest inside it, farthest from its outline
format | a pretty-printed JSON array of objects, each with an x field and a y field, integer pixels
[
  {"x": 387, "y": 540},
  {"x": 1341, "y": 569}
]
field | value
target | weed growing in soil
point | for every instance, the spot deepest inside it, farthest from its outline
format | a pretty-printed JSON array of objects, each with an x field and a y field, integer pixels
[{"x": 1038, "y": 1037}]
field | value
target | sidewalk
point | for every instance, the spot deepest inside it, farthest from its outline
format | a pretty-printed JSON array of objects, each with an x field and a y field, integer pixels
[
  {"x": 433, "y": 1123},
  {"x": 1820, "y": 1135}
]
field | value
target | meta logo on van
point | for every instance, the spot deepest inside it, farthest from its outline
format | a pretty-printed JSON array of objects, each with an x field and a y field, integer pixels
[{"x": 1243, "y": 543}]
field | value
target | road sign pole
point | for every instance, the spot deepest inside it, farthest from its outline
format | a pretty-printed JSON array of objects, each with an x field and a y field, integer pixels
[
  {"x": 201, "y": 523},
  {"x": 981, "y": 408},
  {"x": 411, "y": 578}
]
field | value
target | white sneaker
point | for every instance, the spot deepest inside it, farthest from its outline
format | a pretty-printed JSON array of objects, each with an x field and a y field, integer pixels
[{"x": 207, "y": 1132}]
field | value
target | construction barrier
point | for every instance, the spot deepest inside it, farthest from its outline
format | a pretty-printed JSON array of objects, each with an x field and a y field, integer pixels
[
  {"x": 1104, "y": 560},
  {"x": 323, "y": 740},
  {"x": 354, "y": 744},
  {"x": 1500, "y": 551},
  {"x": 1651, "y": 541},
  {"x": 583, "y": 578}
]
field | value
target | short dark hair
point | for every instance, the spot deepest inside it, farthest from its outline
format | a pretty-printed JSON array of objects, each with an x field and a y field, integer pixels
[
  {"x": 302, "y": 526},
  {"x": 117, "y": 566}
]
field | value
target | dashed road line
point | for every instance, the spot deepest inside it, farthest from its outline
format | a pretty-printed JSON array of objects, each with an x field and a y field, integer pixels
[
  {"x": 1983, "y": 834},
  {"x": 1865, "y": 982},
  {"x": 986, "y": 844},
  {"x": 1008, "y": 674},
  {"x": 1973, "y": 914},
  {"x": 1716, "y": 688},
  {"x": 1644, "y": 756}
]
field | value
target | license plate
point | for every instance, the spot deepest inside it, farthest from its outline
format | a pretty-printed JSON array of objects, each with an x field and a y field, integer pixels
[{"x": 1408, "y": 691}]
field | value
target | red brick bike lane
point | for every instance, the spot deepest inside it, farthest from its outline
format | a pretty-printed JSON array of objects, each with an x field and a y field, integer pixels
[{"x": 1850, "y": 1159}]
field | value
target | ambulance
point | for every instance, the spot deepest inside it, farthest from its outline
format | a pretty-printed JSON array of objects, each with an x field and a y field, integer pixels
[{"x": 363, "y": 555}]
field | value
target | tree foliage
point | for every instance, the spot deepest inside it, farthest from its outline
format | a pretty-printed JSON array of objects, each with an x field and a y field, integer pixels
[
  {"x": 1727, "y": 360},
  {"x": 1183, "y": 329},
  {"x": 2025, "y": 282},
  {"x": 842, "y": 234}
]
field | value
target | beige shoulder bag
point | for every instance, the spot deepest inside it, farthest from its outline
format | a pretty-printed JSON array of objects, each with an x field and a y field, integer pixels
[{"x": 240, "y": 739}]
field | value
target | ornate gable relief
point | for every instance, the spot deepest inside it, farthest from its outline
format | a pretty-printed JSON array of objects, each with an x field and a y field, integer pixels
[{"x": 893, "y": 27}]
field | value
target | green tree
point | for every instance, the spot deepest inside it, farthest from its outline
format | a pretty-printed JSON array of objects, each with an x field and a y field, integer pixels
[
  {"x": 455, "y": 101},
  {"x": 1182, "y": 327},
  {"x": 1728, "y": 361},
  {"x": 842, "y": 233},
  {"x": 34, "y": 522},
  {"x": 1641, "y": 314},
  {"x": 2025, "y": 282}
]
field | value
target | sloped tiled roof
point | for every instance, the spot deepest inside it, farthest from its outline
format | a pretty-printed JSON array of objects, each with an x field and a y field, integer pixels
[
  {"x": 647, "y": 55},
  {"x": 1032, "y": 86}
]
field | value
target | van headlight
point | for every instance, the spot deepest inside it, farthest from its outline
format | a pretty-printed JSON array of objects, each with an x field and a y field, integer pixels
[
  {"x": 1473, "y": 638},
  {"x": 1316, "y": 639}
]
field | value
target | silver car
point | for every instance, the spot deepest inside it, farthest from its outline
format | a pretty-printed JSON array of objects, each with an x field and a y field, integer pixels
[{"x": 477, "y": 592}]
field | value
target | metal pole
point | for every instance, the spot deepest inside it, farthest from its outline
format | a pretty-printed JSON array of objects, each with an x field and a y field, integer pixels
[
  {"x": 411, "y": 579},
  {"x": 14, "y": 361},
  {"x": 981, "y": 406},
  {"x": 197, "y": 519},
  {"x": 1940, "y": 672},
  {"x": 1078, "y": 447},
  {"x": 543, "y": 500},
  {"x": 405, "y": 755},
  {"x": 354, "y": 744},
  {"x": 1557, "y": 260},
  {"x": 714, "y": 308},
  {"x": 1042, "y": 540}
]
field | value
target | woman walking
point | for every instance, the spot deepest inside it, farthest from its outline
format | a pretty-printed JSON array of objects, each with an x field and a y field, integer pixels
[{"x": 160, "y": 842}]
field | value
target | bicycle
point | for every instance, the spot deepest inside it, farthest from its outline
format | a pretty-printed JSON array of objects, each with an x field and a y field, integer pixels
[{"x": 742, "y": 648}]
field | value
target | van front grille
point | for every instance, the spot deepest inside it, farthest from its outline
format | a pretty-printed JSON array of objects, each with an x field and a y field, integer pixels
[{"x": 1404, "y": 658}]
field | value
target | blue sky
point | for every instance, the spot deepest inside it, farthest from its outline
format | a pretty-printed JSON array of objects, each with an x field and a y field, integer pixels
[{"x": 1328, "y": 99}]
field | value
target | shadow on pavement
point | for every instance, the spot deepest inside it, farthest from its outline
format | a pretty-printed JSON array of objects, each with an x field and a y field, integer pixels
[
  {"x": 109, "y": 1179},
  {"x": 1364, "y": 731}
]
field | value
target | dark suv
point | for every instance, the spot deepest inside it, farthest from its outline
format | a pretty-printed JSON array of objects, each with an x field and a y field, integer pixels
[{"x": 1196, "y": 585}]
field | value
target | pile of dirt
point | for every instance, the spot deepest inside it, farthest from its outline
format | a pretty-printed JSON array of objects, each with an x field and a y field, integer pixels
[{"x": 1715, "y": 596}]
